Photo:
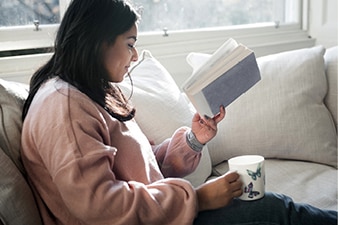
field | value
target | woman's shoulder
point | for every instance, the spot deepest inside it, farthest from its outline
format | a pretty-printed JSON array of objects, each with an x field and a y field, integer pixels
[
  {"x": 57, "y": 89},
  {"x": 59, "y": 96},
  {"x": 57, "y": 86}
]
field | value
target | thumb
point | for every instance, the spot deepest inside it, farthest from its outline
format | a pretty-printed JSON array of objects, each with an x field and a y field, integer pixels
[{"x": 196, "y": 117}]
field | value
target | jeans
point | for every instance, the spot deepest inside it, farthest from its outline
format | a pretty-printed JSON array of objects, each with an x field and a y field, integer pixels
[{"x": 272, "y": 209}]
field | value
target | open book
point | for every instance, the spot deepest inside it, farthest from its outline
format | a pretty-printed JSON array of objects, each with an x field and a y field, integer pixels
[{"x": 220, "y": 78}]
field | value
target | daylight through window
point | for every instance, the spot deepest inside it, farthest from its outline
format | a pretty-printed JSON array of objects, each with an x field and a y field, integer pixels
[
  {"x": 25, "y": 12},
  {"x": 160, "y": 14},
  {"x": 192, "y": 14}
]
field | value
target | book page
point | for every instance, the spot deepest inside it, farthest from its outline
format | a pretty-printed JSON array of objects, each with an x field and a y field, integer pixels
[
  {"x": 225, "y": 76},
  {"x": 221, "y": 53},
  {"x": 223, "y": 64}
]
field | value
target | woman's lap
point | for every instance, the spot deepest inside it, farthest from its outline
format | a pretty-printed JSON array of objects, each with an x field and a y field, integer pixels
[{"x": 272, "y": 209}]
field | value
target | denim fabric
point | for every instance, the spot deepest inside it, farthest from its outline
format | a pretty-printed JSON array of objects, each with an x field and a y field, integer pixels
[{"x": 273, "y": 209}]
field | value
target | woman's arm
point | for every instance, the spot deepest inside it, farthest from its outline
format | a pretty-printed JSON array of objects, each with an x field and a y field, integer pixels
[{"x": 175, "y": 157}]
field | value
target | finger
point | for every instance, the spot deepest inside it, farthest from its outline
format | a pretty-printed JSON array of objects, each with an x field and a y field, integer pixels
[
  {"x": 196, "y": 117},
  {"x": 231, "y": 176},
  {"x": 210, "y": 122},
  {"x": 236, "y": 188},
  {"x": 236, "y": 185},
  {"x": 237, "y": 193},
  {"x": 220, "y": 116}
]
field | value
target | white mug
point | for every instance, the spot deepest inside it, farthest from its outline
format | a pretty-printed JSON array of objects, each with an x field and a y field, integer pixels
[{"x": 252, "y": 171}]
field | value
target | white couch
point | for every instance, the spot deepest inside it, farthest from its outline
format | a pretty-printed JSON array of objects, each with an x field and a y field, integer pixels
[{"x": 289, "y": 117}]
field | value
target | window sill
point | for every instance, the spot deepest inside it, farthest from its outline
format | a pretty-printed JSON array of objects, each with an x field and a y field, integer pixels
[{"x": 172, "y": 50}]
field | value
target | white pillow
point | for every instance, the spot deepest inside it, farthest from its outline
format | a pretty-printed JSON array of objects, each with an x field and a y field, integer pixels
[
  {"x": 283, "y": 115},
  {"x": 161, "y": 108}
]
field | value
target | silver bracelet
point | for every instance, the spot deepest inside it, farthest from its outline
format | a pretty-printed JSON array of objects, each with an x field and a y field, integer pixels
[{"x": 193, "y": 142}]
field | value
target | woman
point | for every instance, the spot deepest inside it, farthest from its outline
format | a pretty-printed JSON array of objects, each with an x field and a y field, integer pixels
[{"x": 89, "y": 163}]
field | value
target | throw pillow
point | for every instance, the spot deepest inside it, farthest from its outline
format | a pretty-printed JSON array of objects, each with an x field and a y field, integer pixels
[
  {"x": 12, "y": 97},
  {"x": 17, "y": 204},
  {"x": 161, "y": 108},
  {"x": 283, "y": 115}
]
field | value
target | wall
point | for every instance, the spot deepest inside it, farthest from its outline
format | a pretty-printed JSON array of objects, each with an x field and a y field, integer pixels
[{"x": 322, "y": 24}]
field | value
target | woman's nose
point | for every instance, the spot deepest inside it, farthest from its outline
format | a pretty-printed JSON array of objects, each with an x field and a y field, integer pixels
[{"x": 135, "y": 55}]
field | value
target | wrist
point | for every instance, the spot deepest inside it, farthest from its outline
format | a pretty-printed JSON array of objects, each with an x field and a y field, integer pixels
[
  {"x": 193, "y": 142},
  {"x": 202, "y": 199}
]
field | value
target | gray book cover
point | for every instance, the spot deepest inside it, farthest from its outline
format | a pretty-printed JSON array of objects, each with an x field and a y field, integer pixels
[{"x": 232, "y": 84}]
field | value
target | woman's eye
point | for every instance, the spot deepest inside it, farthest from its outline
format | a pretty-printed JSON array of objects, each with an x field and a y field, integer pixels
[{"x": 131, "y": 46}]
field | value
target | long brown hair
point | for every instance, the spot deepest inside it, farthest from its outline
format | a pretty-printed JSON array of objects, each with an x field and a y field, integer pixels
[{"x": 78, "y": 56}]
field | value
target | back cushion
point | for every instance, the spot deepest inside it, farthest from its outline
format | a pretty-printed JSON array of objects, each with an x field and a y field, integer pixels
[
  {"x": 282, "y": 116},
  {"x": 17, "y": 204},
  {"x": 331, "y": 65},
  {"x": 12, "y": 97}
]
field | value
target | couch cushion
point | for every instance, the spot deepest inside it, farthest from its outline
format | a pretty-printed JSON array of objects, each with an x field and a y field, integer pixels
[
  {"x": 17, "y": 204},
  {"x": 282, "y": 116},
  {"x": 299, "y": 180},
  {"x": 12, "y": 96},
  {"x": 331, "y": 63},
  {"x": 161, "y": 108}
]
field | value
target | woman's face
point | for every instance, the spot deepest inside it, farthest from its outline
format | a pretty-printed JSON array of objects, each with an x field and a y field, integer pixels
[{"x": 117, "y": 57}]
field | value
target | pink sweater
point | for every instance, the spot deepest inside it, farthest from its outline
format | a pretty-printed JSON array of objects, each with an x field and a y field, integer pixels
[{"x": 88, "y": 168}]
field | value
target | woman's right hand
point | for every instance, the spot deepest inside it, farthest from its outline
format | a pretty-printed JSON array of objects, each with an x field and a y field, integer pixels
[{"x": 219, "y": 192}]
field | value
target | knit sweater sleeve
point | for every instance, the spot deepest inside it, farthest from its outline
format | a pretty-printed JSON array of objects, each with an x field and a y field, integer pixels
[{"x": 175, "y": 157}]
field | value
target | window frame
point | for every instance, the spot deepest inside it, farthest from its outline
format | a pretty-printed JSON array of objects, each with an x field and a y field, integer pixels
[
  {"x": 26, "y": 37},
  {"x": 170, "y": 50}
]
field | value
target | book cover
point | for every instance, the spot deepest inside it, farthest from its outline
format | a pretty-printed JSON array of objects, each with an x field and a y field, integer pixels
[{"x": 222, "y": 79}]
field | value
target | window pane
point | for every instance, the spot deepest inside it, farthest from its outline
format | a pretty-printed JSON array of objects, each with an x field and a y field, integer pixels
[
  {"x": 24, "y": 12},
  {"x": 192, "y": 14}
]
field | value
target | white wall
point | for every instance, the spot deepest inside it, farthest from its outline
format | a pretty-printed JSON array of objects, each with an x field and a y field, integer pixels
[{"x": 322, "y": 24}]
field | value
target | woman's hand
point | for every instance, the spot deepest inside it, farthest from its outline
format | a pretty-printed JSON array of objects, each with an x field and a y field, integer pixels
[
  {"x": 205, "y": 128},
  {"x": 219, "y": 192}
]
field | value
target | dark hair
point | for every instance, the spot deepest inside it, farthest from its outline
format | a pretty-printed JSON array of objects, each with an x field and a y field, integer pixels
[{"x": 78, "y": 54}]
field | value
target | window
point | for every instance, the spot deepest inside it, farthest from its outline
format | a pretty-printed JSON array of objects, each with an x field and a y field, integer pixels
[
  {"x": 31, "y": 24},
  {"x": 191, "y": 14},
  {"x": 24, "y": 12},
  {"x": 170, "y": 29}
]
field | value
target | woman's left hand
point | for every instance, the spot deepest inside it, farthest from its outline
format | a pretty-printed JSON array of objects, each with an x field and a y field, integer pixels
[{"x": 205, "y": 128}]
